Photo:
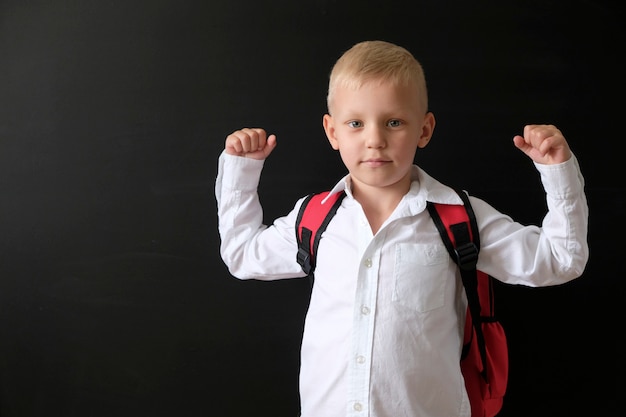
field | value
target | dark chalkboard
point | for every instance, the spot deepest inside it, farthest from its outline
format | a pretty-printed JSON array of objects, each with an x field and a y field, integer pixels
[{"x": 113, "y": 298}]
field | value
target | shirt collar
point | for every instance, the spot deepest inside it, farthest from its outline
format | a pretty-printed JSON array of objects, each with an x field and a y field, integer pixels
[{"x": 423, "y": 188}]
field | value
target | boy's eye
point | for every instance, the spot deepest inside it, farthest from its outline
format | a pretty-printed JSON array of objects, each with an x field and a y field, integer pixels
[
  {"x": 355, "y": 124},
  {"x": 394, "y": 123}
]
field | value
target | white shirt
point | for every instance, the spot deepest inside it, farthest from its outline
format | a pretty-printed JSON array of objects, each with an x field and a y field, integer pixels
[{"x": 384, "y": 328}]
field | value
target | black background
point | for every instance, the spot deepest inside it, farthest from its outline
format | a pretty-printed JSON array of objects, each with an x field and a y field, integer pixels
[{"x": 113, "y": 298}]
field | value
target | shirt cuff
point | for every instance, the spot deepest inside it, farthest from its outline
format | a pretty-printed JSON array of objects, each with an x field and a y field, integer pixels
[
  {"x": 240, "y": 173},
  {"x": 561, "y": 181}
]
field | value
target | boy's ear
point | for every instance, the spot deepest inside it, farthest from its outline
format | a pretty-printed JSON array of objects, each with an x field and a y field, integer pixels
[
  {"x": 329, "y": 128},
  {"x": 427, "y": 130}
]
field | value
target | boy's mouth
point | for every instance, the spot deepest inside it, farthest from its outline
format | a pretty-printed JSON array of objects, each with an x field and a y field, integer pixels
[{"x": 374, "y": 162}]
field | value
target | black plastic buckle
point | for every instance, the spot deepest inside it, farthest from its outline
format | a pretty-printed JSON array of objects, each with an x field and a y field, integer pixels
[
  {"x": 304, "y": 259},
  {"x": 466, "y": 256}
]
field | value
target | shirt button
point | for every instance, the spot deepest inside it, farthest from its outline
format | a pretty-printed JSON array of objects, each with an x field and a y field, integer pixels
[
  {"x": 365, "y": 310},
  {"x": 368, "y": 263},
  {"x": 358, "y": 407},
  {"x": 360, "y": 359}
]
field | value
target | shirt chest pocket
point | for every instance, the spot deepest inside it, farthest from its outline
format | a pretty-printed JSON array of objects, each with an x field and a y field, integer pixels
[{"x": 420, "y": 275}]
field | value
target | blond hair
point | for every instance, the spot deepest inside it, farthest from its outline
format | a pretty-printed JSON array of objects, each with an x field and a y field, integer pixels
[{"x": 377, "y": 61}]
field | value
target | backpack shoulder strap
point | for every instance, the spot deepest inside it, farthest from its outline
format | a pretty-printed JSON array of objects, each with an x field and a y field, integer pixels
[
  {"x": 313, "y": 218},
  {"x": 459, "y": 231},
  {"x": 458, "y": 228}
]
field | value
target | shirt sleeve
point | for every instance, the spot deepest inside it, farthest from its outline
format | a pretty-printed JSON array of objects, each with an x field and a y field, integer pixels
[
  {"x": 554, "y": 252},
  {"x": 249, "y": 248}
]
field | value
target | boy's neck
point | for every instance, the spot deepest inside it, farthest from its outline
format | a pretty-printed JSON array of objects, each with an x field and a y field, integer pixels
[{"x": 378, "y": 203}]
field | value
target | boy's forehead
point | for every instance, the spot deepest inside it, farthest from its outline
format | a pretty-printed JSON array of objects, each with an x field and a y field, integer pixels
[
  {"x": 390, "y": 96},
  {"x": 349, "y": 84}
]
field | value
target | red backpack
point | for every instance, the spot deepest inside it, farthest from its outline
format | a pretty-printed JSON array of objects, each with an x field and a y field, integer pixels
[{"x": 484, "y": 359}]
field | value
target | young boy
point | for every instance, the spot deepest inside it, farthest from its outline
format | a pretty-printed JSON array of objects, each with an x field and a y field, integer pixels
[{"x": 384, "y": 328}]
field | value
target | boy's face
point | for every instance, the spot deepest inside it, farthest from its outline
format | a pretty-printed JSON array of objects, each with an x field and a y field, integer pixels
[{"x": 377, "y": 129}]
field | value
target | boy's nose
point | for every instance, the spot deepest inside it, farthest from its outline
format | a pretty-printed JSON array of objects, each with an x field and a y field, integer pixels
[{"x": 376, "y": 138}]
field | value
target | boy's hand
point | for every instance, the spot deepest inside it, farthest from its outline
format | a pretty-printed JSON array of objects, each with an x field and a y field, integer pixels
[
  {"x": 250, "y": 143},
  {"x": 544, "y": 144}
]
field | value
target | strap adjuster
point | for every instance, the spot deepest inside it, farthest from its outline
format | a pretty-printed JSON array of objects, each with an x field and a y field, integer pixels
[
  {"x": 304, "y": 259},
  {"x": 467, "y": 255}
]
